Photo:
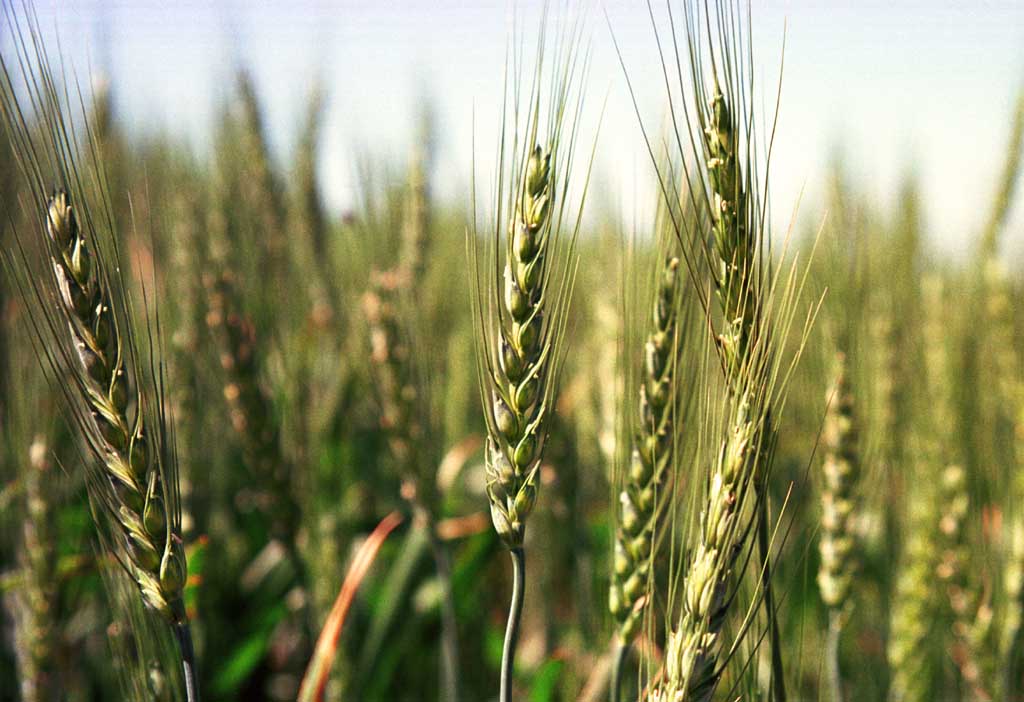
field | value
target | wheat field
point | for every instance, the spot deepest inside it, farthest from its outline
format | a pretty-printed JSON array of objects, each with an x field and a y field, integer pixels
[{"x": 504, "y": 446}]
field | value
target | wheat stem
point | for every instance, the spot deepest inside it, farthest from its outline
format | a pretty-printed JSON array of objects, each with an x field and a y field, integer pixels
[
  {"x": 835, "y": 677},
  {"x": 449, "y": 620},
  {"x": 515, "y": 614},
  {"x": 618, "y": 663},
  {"x": 183, "y": 634}
]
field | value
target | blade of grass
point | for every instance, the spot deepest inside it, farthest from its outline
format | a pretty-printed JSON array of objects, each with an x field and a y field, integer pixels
[{"x": 319, "y": 668}]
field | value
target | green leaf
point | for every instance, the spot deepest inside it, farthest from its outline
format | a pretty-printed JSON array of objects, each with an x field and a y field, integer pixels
[{"x": 545, "y": 682}]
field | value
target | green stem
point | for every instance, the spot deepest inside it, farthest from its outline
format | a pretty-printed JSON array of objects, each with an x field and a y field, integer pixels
[
  {"x": 835, "y": 681},
  {"x": 449, "y": 621},
  {"x": 778, "y": 677},
  {"x": 621, "y": 652},
  {"x": 183, "y": 634},
  {"x": 515, "y": 613}
]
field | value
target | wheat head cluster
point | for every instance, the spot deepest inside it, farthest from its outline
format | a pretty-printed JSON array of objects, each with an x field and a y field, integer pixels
[{"x": 515, "y": 446}]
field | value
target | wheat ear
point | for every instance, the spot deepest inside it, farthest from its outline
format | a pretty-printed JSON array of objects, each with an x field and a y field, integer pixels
[
  {"x": 34, "y": 604},
  {"x": 137, "y": 487},
  {"x": 84, "y": 334},
  {"x": 692, "y": 653},
  {"x": 1012, "y": 643},
  {"x": 737, "y": 241},
  {"x": 651, "y": 456},
  {"x": 969, "y": 615},
  {"x": 521, "y": 379},
  {"x": 837, "y": 544},
  {"x": 913, "y": 603},
  {"x": 141, "y": 502},
  {"x": 250, "y": 406},
  {"x": 520, "y": 321},
  {"x": 521, "y": 383}
]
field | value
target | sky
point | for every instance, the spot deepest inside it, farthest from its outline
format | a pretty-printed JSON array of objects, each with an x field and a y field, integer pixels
[{"x": 886, "y": 87}]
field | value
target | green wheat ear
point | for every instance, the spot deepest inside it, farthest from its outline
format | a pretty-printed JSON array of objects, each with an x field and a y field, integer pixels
[
  {"x": 84, "y": 332},
  {"x": 840, "y": 471},
  {"x": 521, "y": 384},
  {"x": 913, "y": 604},
  {"x": 838, "y": 545},
  {"x": 138, "y": 499},
  {"x": 651, "y": 456},
  {"x": 521, "y": 295},
  {"x": 34, "y": 605},
  {"x": 692, "y": 655},
  {"x": 970, "y": 625}
]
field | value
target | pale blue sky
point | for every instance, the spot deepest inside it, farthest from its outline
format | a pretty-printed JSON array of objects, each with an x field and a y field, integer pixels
[{"x": 922, "y": 84}]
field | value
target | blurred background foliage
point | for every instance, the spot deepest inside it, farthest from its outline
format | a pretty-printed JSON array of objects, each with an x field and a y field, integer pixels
[{"x": 321, "y": 375}]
